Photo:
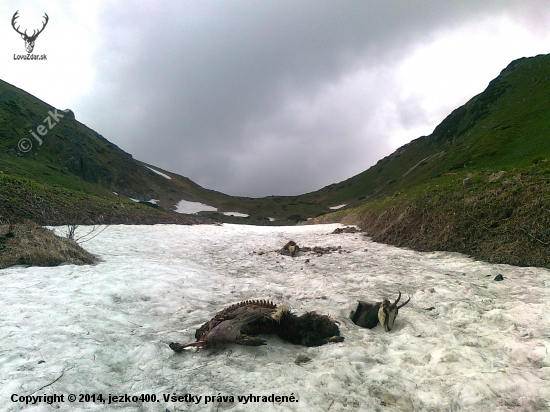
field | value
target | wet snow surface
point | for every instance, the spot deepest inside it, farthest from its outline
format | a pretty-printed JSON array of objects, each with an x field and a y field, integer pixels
[{"x": 106, "y": 328}]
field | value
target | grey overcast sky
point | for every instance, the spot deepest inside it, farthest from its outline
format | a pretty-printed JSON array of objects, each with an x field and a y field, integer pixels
[{"x": 267, "y": 97}]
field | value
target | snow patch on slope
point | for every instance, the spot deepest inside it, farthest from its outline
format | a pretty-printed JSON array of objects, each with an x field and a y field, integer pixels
[
  {"x": 236, "y": 214},
  {"x": 185, "y": 206},
  {"x": 158, "y": 173}
]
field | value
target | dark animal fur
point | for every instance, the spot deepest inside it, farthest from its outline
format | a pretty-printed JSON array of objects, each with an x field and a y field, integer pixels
[
  {"x": 366, "y": 314},
  {"x": 310, "y": 329},
  {"x": 240, "y": 323}
]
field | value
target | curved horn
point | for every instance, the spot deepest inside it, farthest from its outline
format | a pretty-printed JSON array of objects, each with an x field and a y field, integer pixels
[
  {"x": 397, "y": 300},
  {"x": 403, "y": 304}
]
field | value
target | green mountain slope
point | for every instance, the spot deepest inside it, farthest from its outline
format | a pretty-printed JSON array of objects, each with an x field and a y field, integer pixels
[
  {"x": 67, "y": 155},
  {"x": 479, "y": 184},
  {"x": 506, "y": 126},
  {"x": 71, "y": 155}
]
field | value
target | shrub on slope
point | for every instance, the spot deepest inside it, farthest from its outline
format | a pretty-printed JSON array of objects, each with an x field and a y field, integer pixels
[{"x": 30, "y": 244}]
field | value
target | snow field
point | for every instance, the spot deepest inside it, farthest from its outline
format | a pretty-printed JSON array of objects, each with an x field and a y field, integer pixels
[{"x": 106, "y": 328}]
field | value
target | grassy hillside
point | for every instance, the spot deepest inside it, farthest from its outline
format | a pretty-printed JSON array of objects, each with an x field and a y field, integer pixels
[
  {"x": 29, "y": 244},
  {"x": 74, "y": 157},
  {"x": 478, "y": 185},
  {"x": 25, "y": 199},
  {"x": 506, "y": 126}
]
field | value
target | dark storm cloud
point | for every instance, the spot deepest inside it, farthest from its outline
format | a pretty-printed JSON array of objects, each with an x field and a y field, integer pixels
[{"x": 261, "y": 98}]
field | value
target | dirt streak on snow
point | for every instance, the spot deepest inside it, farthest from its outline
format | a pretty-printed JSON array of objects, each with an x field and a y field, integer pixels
[{"x": 105, "y": 328}]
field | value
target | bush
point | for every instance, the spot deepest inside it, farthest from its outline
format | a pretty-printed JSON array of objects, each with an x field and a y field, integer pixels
[{"x": 30, "y": 244}]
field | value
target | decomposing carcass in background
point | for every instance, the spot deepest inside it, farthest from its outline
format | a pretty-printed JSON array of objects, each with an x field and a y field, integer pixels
[{"x": 291, "y": 248}]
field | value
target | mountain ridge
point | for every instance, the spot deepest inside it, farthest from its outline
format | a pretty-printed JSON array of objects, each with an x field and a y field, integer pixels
[
  {"x": 502, "y": 129},
  {"x": 479, "y": 184}
]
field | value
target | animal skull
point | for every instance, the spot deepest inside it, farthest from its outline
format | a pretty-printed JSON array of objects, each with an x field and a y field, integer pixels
[{"x": 368, "y": 315}]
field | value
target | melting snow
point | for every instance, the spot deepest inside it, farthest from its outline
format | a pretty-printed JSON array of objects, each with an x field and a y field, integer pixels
[
  {"x": 236, "y": 214},
  {"x": 185, "y": 206},
  {"x": 464, "y": 342},
  {"x": 158, "y": 173},
  {"x": 337, "y": 207},
  {"x": 154, "y": 201}
]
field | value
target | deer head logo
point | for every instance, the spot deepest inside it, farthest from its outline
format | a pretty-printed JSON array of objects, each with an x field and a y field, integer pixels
[{"x": 29, "y": 40}]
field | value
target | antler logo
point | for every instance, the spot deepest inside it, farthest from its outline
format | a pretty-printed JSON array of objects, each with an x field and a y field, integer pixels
[{"x": 29, "y": 40}]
